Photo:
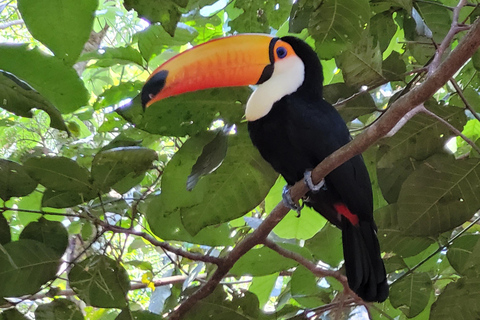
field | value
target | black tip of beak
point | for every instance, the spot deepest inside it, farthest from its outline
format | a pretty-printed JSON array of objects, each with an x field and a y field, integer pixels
[{"x": 153, "y": 86}]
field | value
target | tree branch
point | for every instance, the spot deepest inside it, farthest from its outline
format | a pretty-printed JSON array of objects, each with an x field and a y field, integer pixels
[{"x": 10, "y": 23}]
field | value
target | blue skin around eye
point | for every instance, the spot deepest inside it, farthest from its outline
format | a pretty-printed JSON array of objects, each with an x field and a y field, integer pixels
[{"x": 281, "y": 52}]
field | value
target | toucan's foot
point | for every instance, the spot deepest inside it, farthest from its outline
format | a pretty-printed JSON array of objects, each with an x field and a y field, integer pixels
[
  {"x": 308, "y": 181},
  {"x": 288, "y": 201}
]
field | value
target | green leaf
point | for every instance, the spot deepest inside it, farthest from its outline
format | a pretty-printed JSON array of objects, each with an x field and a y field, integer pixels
[
  {"x": 14, "y": 180},
  {"x": 26, "y": 265},
  {"x": 392, "y": 237},
  {"x": 59, "y": 309},
  {"x": 168, "y": 226},
  {"x": 113, "y": 56},
  {"x": 43, "y": 73},
  {"x": 361, "y": 105},
  {"x": 65, "y": 198},
  {"x": 334, "y": 24},
  {"x": 59, "y": 173},
  {"x": 460, "y": 298},
  {"x": 155, "y": 39},
  {"x": 51, "y": 233},
  {"x": 235, "y": 188},
  {"x": 189, "y": 113},
  {"x": 362, "y": 64},
  {"x": 262, "y": 287},
  {"x": 261, "y": 262},
  {"x": 382, "y": 28},
  {"x": 437, "y": 18},
  {"x": 100, "y": 282},
  {"x": 54, "y": 21},
  {"x": 167, "y": 12},
  {"x": 5, "y": 235},
  {"x": 305, "y": 291},
  {"x": 116, "y": 94},
  {"x": 421, "y": 137},
  {"x": 326, "y": 245},
  {"x": 411, "y": 294},
  {"x": 211, "y": 158},
  {"x": 20, "y": 98},
  {"x": 111, "y": 166},
  {"x": 12, "y": 314},
  {"x": 394, "y": 68},
  {"x": 464, "y": 254},
  {"x": 253, "y": 19},
  {"x": 440, "y": 195}
]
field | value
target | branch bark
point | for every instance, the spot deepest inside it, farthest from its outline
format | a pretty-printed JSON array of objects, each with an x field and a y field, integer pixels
[{"x": 419, "y": 94}]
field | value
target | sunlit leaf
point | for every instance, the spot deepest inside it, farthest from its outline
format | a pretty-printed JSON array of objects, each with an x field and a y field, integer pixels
[
  {"x": 55, "y": 81},
  {"x": 54, "y": 21},
  {"x": 411, "y": 294}
]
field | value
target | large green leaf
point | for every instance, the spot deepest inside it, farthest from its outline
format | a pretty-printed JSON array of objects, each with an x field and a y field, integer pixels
[
  {"x": 155, "y": 39},
  {"x": 459, "y": 300},
  {"x": 113, "y": 165},
  {"x": 14, "y": 180},
  {"x": 58, "y": 83},
  {"x": 440, "y": 195},
  {"x": 361, "y": 64},
  {"x": 51, "y": 233},
  {"x": 262, "y": 287},
  {"x": 168, "y": 226},
  {"x": 59, "y": 309},
  {"x": 464, "y": 254},
  {"x": 258, "y": 15},
  {"x": 127, "y": 314},
  {"x": 334, "y": 24},
  {"x": 382, "y": 28},
  {"x": 66, "y": 198},
  {"x": 26, "y": 265},
  {"x": 437, "y": 18},
  {"x": 352, "y": 109},
  {"x": 189, "y": 113},
  {"x": 411, "y": 294},
  {"x": 19, "y": 98},
  {"x": 236, "y": 187},
  {"x": 391, "y": 236},
  {"x": 100, "y": 282},
  {"x": 326, "y": 245},
  {"x": 62, "y": 25},
  {"x": 421, "y": 137},
  {"x": 59, "y": 173}
]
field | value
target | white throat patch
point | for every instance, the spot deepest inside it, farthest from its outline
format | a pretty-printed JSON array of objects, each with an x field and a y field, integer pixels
[{"x": 288, "y": 75}]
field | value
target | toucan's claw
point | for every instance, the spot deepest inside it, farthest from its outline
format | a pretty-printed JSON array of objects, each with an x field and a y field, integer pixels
[
  {"x": 308, "y": 181},
  {"x": 288, "y": 201}
]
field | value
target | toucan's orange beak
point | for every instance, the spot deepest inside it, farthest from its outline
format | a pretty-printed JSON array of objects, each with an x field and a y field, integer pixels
[{"x": 226, "y": 62}]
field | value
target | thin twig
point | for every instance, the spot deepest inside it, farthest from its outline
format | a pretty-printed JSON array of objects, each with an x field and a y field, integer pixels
[
  {"x": 452, "y": 128},
  {"x": 464, "y": 99}
]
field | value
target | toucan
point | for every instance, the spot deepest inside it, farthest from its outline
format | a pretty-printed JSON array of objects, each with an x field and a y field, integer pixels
[{"x": 293, "y": 128}]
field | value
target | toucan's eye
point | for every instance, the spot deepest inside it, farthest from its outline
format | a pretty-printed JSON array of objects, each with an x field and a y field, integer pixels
[{"x": 281, "y": 52}]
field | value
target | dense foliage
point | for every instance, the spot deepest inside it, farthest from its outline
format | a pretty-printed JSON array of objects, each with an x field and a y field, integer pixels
[{"x": 96, "y": 220}]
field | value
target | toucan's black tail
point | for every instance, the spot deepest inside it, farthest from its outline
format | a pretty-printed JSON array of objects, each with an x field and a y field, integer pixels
[{"x": 364, "y": 266}]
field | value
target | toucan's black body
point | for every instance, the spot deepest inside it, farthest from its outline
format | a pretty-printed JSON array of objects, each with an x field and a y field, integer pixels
[{"x": 301, "y": 130}]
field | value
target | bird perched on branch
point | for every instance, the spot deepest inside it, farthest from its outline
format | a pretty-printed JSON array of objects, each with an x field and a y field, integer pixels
[{"x": 294, "y": 129}]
